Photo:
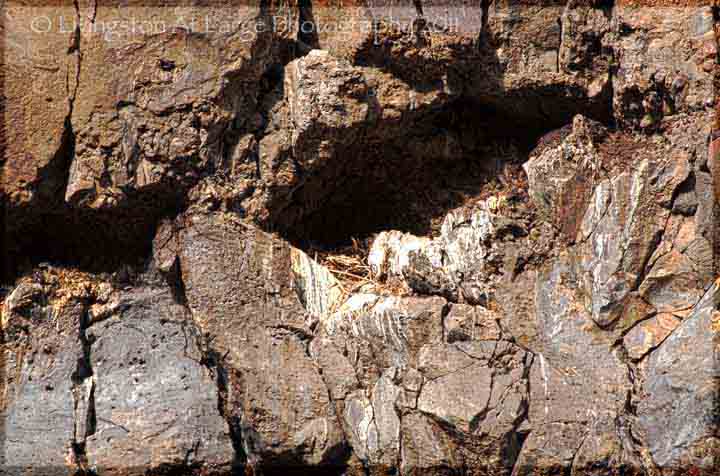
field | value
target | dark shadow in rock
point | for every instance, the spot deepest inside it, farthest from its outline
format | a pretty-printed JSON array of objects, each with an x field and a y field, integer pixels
[
  {"x": 91, "y": 240},
  {"x": 335, "y": 464},
  {"x": 408, "y": 174},
  {"x": 307, "y": 27},
  {"x": 445, "y": 158}
]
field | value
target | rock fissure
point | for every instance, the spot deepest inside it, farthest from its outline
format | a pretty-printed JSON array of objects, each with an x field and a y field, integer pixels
[{"x": 83, "y": 392}]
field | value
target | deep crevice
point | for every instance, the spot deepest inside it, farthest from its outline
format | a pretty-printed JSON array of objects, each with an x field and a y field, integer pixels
[
  {"x": 448, "y": 157},
  {"x": 177, "y": 286},
  {"x": 213, "y": 361},
  {"x": 626, "y": 418},
  {"x": 48, "y": 229},
  {"x": 90, "y": 240},
  {"x": 307, "y": 35},
  {"x": 51, "y": 183}
]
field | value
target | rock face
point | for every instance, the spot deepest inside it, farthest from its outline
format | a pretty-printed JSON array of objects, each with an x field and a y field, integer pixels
[
  {"x": 687, "y": 436},
  {"x": 243, "y": 295},
  {"x": 151, "y": 348},
  {"x": 136, "y": 375},
  {"x": 354, "y": 237}
]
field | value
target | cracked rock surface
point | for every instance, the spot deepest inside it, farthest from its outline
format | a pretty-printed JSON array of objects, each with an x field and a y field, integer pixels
[{"x": 446, "y": 237}]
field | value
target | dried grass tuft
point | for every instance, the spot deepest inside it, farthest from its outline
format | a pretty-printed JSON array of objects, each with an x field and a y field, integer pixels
[
  {"x": 348, "y": 265},
  {"x": 350, "y": 268}
]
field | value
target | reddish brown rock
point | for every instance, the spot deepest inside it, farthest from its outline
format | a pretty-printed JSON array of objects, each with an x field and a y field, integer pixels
[
  {"x": 649, "y": 334},
  {"x": 546, "y": 322}
]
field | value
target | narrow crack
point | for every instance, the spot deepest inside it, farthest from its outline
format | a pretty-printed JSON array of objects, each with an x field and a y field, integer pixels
[
  {"x": 83, "y": 391},
  {"x": 447, "y": 307},
  {"x": 523, "y": 416},
  {"x": 333, "y": 401},
  {"x": 577, "y": 450},
  {"x": 627, "y": 416},
  {"x": 560, "y": 42},
  {"x": 74, "y": 49}
]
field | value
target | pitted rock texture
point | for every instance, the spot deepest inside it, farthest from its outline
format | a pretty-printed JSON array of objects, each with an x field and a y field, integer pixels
[
  {"x": 151, "y": 348},
  {"x": 136, "y": 375},
  {"x": 344, "y": 237}
]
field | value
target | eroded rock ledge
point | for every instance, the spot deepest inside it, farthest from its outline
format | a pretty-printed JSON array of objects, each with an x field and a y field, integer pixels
[{"x": 485, "y": 247}]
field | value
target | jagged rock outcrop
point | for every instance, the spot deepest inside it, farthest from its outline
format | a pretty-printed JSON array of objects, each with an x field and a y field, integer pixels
[
  {"x": 361, "y": 237},
  {"x": 243, "y": 295}
]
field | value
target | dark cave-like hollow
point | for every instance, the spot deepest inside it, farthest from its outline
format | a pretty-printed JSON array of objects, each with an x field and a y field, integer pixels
[
  {"x": 464, "y": 152},
  {"x": 93, "y": 240}
]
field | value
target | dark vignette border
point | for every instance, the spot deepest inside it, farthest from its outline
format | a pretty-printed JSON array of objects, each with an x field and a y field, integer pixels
[{"x": 4, "y": 257}]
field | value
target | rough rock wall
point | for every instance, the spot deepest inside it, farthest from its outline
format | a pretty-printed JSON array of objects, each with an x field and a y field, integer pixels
[{"x": 529, "y": 188}]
